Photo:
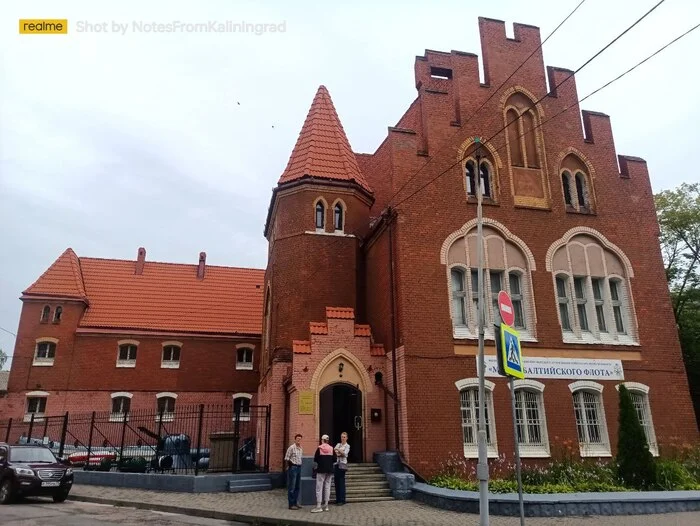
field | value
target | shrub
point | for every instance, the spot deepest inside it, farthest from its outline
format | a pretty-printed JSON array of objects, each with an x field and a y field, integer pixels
[
  {"x": 672, "y": 475},
  {"x": 635, "y": 464}
]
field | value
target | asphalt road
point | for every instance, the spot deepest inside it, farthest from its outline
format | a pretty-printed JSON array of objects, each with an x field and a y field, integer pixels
[{"x": 43, "y": 512}]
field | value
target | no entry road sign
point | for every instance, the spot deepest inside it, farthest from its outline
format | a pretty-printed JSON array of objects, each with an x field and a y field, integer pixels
[{"x": 505, "y": 307}]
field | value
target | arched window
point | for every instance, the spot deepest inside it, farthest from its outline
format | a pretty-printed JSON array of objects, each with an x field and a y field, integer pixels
[
  {"x": 171, "y": 355},
  {"x": 45, "y": 352},
  {"x": 469, "y": 408},
  {"x": 640, "y": 399},
  {"x": 165, "y": 404},
  {"x": 514, "y": 139},
  {"x": 126, "y": 354},
  {"x": 581, "y": 190},
  {"x": 508, "y": 266},
  {"x": 121, "y": 406},
  {"x": 45, "y": 312},
  {"x": 244, "y": 358},
  {"x": 486, "y": 179},
  {"x": 459, "y": 298},
  {"x": 338, "y": 219},
  {"x": 592, "y": 287},
  {"x": 591, "y": 426},
  {"x": 241, "y": 406},
  {"x": 57, "y": 314},
  {"x": 533, "y": 160},
  {"x": 320, "y": 216},
  {"x": 576, "y": 184},
  {"x": 530, "y": 419},
  {"x": 566, "y": 187}
]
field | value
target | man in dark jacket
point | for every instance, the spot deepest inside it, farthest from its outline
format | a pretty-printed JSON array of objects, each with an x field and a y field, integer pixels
[{"x": 324, "y": 459}]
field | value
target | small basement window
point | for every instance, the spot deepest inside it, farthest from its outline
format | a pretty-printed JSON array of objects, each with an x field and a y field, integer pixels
[{"x": 441, "y": 73}]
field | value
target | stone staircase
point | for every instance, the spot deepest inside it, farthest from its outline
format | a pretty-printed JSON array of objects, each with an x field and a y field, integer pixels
[{"x": 364, "y": 483}]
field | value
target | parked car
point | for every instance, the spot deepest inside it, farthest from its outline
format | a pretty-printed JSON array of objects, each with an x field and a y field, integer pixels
[{"x": 31, "y": 471}]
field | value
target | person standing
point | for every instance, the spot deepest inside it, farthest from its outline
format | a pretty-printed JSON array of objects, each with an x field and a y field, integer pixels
[
  {"x": 293, "y": 458},
  {"x": 324, "y": 459},
  {"x": 342, "y": 450}
]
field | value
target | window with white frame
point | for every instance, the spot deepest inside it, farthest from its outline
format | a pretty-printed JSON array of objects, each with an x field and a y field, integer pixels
[
  {"x": 241, "y": 406},
  {"x": 244, "y": 358},
  {"x": 530, "y": 419},
  {"x": 338, "y": 217},
  {"x": 576, "y": 184},
  {"x": 45, "y": 353},
  {"x": 171, "y": 356},
  {"x": 126, "y": 354},
  {"x": 469, "y": 407},
  {"x": 591, "y": 426},
  {"x": 640, "y": 399},
  {"x": 57, "y": 314},
  {"x": 320, "y": 218},
  {"x": 121, "y": 406},
  {"x": 508, "y": 266},
  {"x": 45, "y": 313},
  {"x": 593, "y": 299},
  {"x": 36, "y": 406},
  {"x": 485, "y": 179},
  {"x": 165, "y": 404}
]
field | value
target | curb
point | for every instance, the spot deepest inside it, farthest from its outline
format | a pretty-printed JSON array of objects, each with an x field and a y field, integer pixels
[{"x": 197, "y": 512}]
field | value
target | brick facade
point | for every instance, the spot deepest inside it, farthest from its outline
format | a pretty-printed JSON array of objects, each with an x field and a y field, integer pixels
[{"x": 380, "y": 291}]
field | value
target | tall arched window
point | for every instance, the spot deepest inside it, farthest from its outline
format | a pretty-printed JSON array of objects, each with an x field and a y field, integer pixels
[
  {"x": 469, "y": 408},
  {"x": 533, "y": 160},
  {"x": 591, "y": 426},
  {"x": 57, "y": 314},
  {"x": 509, "y": 264},
  {"x": 591, "y": 279},
  {"x": 45, "y": 312},
  {"x": 516, "y": 150},
  {"x": 581, "y": 190},
  {"x": 320, "y": 216},
  {"x": 566, "y": 187},
  {"x": 485, "y": 177},
  {"x": 530, "y": 419},
  {"x": 338, "y": 219}
]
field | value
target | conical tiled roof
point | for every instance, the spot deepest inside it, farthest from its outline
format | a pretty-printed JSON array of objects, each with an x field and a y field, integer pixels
[
  {"x": 322, "y": 149},
  {"x": 62, "y": 279}
]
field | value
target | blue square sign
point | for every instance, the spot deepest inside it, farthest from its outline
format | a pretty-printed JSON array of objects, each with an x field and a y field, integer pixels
[{"x": 512, "y": 356}]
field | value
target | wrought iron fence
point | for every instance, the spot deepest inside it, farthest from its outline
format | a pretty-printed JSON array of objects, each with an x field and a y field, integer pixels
[{"x": 189, "y": 440}]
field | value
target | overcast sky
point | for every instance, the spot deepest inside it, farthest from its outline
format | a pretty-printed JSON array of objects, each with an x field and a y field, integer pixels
[{"x": 112, "y": 141}]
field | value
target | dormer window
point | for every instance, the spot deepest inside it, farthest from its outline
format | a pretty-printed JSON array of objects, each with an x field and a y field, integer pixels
[
  {"x": 45, "y": 312},
  {"x": 57, "y": 314}
]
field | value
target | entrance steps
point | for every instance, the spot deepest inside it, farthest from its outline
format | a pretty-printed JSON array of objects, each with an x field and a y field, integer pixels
[
  {"x": 251, "y": 482},
  {"x": 364, "y": 483}
]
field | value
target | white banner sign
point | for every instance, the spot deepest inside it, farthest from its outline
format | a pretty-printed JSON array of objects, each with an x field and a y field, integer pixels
[{"x": 563, "y": 368}]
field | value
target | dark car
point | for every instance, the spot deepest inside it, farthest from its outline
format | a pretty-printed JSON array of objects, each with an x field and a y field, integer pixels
[{"x": 32, "y": 471}]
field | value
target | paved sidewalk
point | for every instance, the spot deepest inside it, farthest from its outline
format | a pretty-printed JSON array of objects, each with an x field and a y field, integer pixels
[{"x": 271, "y": 506}]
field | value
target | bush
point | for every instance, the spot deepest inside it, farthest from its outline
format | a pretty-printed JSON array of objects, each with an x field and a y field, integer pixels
[
  {"x": 635, "y": 464},
  {"x": 672, "y": 475}
]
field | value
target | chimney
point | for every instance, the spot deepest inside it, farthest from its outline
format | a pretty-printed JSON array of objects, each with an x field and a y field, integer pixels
[
  {"x": 140, "y": 260},
  {"x": 202, "y": 264}
]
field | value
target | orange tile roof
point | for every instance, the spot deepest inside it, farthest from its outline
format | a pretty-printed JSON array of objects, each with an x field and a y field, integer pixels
[
  {"x": 62, "y": 279},
  {"x": 363, "y": 330},
  {"x": 165, "y": 297},
  {"x": 318, "y": 328},
  {"x": 301, "y": 347},
  {"x": 346, "y": 313},
  {"x": 322, "y": 149},
  {"x": 377, "y": 350}
]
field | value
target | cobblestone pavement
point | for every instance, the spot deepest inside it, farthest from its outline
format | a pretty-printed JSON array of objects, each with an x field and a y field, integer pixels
[
  {"x": 43, "y": 512},
  {"x": 273, "y": 505}
]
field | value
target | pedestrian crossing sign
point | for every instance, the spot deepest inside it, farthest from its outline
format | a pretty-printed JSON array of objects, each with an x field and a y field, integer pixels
[{"x": 510, "y": 356}]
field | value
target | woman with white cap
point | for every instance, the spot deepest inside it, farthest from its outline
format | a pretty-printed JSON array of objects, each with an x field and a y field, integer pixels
[{"x": 324, "y": 459}]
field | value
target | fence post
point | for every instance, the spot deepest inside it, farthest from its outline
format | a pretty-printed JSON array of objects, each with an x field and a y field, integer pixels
[
  {"x": 9, "y": 427},
  {"x": 236, "y": 438},
  {"x": 199, "y": 439},
  {"x": 121, "y": 447},
  {"x": 63, "y": 435},
  {"x": 46, "y": 426},
  {"x": 267, "y": 437},
  {"x": 31, "y": 427},
  {"x": 92, "y": 425}
]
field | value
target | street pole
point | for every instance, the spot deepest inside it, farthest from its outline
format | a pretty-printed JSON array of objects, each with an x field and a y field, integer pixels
[
  {"x": 482, "y": 469},
  {"x": 517, "y": 454}
]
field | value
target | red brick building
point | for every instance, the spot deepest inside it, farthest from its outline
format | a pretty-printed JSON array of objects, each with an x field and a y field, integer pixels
[
  {"x": 367, "y": 308},
  {"x": 111, "y": 335}
]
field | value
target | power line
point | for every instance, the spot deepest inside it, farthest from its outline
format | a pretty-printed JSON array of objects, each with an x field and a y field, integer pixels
[
  {"x": 553, "y": 90},
  {"x": 493, "y": 93},
  {"x": 459, "y": 161},
  {"x": 8, "y": 332}
]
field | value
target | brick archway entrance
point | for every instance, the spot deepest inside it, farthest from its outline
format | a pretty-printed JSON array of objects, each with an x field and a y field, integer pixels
[{"x": 340, "y": 409}]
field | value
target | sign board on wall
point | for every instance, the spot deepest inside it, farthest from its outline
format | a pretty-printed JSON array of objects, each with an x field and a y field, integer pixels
[
  {"x": 563, "y": 368},
  {"x": 306, "y": 402}
]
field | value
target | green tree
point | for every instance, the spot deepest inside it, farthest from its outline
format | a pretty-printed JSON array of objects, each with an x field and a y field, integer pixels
[
  {"x": 3, "y": 359},
  {"x": 678, "y": 212},
  {"x": 635, "y": 464}
]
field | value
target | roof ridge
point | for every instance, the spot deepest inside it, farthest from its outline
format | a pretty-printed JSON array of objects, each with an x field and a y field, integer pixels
[{"x": 89, "y": 258}]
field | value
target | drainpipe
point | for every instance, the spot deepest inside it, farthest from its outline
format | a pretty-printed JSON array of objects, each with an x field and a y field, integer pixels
[{"x": 392, "y": 214}]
